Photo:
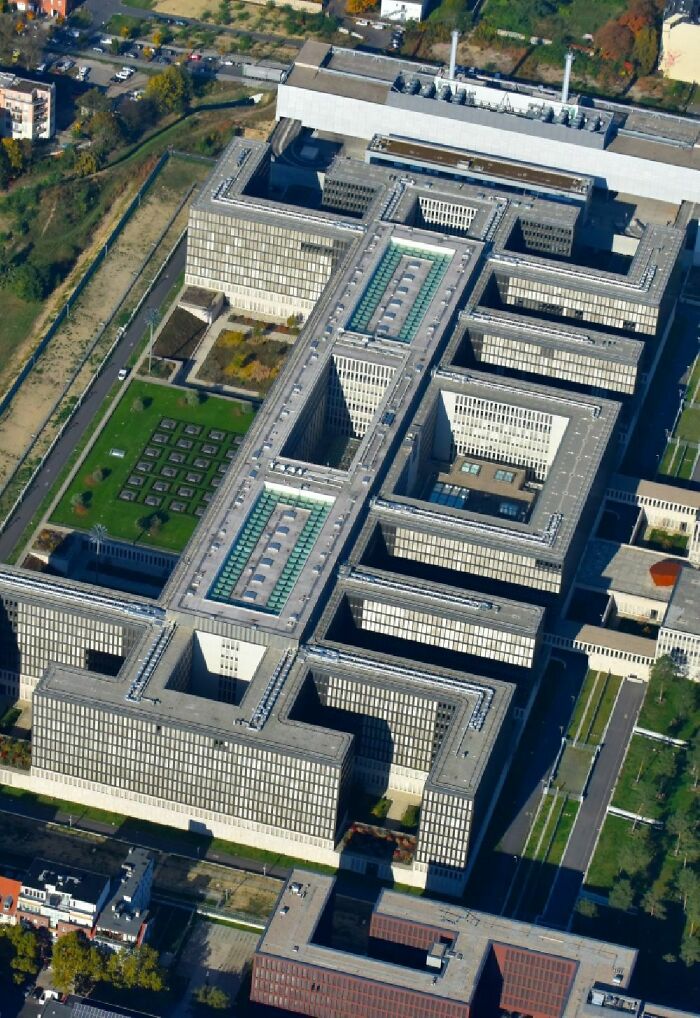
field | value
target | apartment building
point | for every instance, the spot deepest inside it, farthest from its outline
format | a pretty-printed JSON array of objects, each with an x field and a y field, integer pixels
[{"x": 27, "y": 108}]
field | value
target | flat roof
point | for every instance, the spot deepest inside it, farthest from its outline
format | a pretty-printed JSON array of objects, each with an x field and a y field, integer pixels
[
  {"x": 83, "y": 885},
  {"x": 290, "y": 934},
  {"x": 623, "y": 568},
  {"x": 683, "y": 615},
  {"x": 488, "y": 166}
]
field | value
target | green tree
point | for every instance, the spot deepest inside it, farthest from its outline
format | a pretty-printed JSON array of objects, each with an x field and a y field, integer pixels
[
  {"x": 645, "y": 50},
  {"x": 136, "y": 969},
  {"x": 690, "y": 950},
  {"x": 688, "y": 886},
  {"x": 104, "y": 128},
  {"x": 27, "y": 282},
  {"x": 20, "y": 952},
  {"x": 653, "y": 903},
  {"x": 94, "y": 101},
  {"x": 634, "y": 854},
  {"x": 692, "y": 759},
  {"x": 664, "y": 672},
  {"x": 76, "y": 964},
  {"x": 170, "y": 90},
  {"x": 191, "y": 397},
  {"x": 138, "y": 406},
  {"x": 621, "y": 895},
  {"x": 586, "y": 907},
  {"x": 213, "y": 997}
]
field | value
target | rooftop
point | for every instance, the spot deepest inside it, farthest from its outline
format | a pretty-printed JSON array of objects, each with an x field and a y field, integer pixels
[
  {"x": 621, "y": 568},
  {"x": 683, "y": 615},
  {"x": 291, "y": 930},
  {"x": 78, "y": 884}
]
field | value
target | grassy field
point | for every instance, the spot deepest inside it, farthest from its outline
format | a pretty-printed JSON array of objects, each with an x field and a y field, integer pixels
[
  {"x": 593, "y": 708},
  {"x": 665, "y": 710},
  {"x": 543, "y": 853},
  {"x": 639, "y": 777},
  {"x": 136, "y": 420},
  {"x": 573, "y": 769}
]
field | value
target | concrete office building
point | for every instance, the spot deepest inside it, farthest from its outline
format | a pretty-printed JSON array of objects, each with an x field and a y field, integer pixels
[
  {"x": 61, "y": 899},
  {"x": 432, "y": 960},
  {"x": 27, "y": 108},
  {"x": 361, "y": 610}
]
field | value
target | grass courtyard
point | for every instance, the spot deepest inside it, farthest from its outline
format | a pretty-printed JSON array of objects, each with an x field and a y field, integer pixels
[{"x": 155, "y": 466}]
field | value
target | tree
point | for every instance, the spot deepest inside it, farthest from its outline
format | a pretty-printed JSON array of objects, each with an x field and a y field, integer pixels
[
  {"x": 664, "y": 672},
  {"x": 104, "y": 128},
  {"x": 615, "y": 41},
  {"x": 692, "y": 756},
  {"x": 653, "y": 903},
  {"x": 213, "y": 997},
  {"x": 586, "y": 907},
  {"x": 690, "y": 950},
  {"x": 86, "y": 163},
  {"x": 15, "y": 155},
  {"x": 645, "y": 50},
  {"x": 360, "y": 6},
  {"x": 136, "y": 969},
  {"x": 621, "y": 895},
  {"x": 191, "y": 397},
  {"x": 98, "y": 475},
  {"x": 138, "y": 406},
  {"x": 688, "y": 886},
  {"x": 27, "y": 282},
  {"x": 94, "y": 101},
  {"x": 20, "y": 952},
  {"x": 169, "y": 90},
  {"x": 680, "y": 825},
  {"x": 76, "y": 963},
  {"x": 633, "y": 855}
]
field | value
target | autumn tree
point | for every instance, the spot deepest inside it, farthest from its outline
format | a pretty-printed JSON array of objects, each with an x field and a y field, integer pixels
[
  {"x": 77, "y": 965},
  {"x": 615, "y": 41},
  {"x": 15, "y": 155},
  {"x": 136, "y": 969},
  {"x": 645, "y": 50},
  {"x": 360, "y": 6},
  {"x": 169, "y": 90}
]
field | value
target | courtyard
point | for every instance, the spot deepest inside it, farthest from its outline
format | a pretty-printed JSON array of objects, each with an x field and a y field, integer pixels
[{"x": 156, "y": 465}]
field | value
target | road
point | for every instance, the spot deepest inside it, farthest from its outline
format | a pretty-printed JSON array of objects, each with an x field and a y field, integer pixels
[
  {"x": 591, "y": 815},
  {"x": 86, "y": 412}
]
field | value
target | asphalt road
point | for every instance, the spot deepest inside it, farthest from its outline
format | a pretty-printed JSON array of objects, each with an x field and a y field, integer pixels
[
  {"x": 91, "y": 404},
  {"x": 591, "y": 815}
]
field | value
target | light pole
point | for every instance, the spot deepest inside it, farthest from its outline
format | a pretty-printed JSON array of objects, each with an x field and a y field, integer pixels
[{"x": 152, "y": 317}]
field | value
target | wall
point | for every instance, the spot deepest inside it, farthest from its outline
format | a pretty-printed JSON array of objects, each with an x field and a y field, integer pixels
[
  {"x": 357, "y": 118},
  {"x": 680, "y": 50}
]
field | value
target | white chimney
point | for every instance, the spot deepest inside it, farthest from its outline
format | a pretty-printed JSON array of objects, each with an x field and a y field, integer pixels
[
  {"x": 567, "y": 76},
  {"x": 453, "y": 54}
]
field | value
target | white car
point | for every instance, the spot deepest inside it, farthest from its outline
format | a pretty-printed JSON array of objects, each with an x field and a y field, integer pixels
[
  {"x": 362, "y": 22},
  {"x": 122, "y": 374},
  {"x": 83, "y": 73}
]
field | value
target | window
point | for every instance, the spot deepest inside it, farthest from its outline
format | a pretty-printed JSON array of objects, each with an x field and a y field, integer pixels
[
  {"x": 471, "y": 468},
  {"x": 507, "y": 476}
]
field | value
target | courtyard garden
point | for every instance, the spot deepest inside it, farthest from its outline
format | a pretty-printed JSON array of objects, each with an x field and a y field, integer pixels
[
  {"x": 248, "y": 356},
  {"x": 156, "y": 465}
]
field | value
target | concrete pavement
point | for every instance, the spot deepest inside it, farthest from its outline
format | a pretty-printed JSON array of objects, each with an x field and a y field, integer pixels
[{"x": 591, "y": 815}]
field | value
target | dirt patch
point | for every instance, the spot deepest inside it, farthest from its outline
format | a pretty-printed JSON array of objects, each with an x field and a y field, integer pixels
[
  {"x": 483, "y": 58},
  {"x": 45, "y": 384},
  {"x": 217, "y": 955},
  {"x": 233, "y": 891}
]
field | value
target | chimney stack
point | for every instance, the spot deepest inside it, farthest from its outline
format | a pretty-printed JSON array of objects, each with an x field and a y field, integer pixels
[
  {"x": 567, "y": 76},
  {"x": 453, "y": 54}
]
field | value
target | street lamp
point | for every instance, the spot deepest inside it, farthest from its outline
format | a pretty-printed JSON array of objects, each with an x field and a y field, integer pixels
[
  {"x": 98, "y": 536},
  {"x": 152, "y": 317}
]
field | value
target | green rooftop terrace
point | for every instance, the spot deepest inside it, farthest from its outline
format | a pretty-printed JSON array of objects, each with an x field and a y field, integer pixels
[
  {"x": 406, "y": 280},
  {"x": 270, "y": 550}
]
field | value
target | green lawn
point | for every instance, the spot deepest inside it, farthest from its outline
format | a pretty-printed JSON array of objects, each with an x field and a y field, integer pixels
[
  {"x": 582, "y": 703},
  {"x": 688, "y": 427},
  {"x": 638, "y": 774},
  {"x": 573, "y": 769},
  {"x": 671, "y": 715},
  {"x": 685, "y": 471},
  {"x": 131, "y": 431},
  {"x": 604, "y": 709},
  {"x": 557, "y": 817}
]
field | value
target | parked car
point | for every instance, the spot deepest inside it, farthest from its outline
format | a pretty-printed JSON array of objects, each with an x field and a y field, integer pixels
[{"x": 123, "y": 374}]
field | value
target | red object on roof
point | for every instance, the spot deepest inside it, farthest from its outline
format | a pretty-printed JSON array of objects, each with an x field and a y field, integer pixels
[
  {"x": 9, "y": 893},
  {"x": 666, "y": 572}
]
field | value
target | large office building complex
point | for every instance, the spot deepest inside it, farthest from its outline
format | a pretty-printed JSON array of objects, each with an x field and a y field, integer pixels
[{"x": 365, "y": 606}]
